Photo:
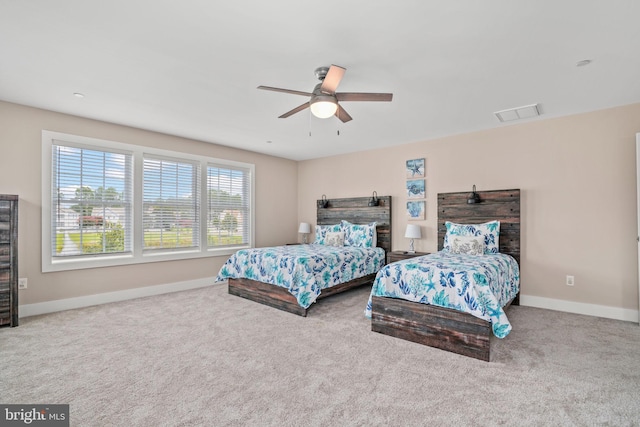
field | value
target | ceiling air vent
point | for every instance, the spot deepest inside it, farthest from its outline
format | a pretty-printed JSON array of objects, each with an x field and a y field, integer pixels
[{"x": 518, "y": 113}]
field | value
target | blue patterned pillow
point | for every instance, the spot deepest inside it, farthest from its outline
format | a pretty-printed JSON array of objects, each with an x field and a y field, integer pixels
[
  {"x": 359, "y": 235},
  {"x": 322, "y": 230},
  {"x": 489, "y": 231}
]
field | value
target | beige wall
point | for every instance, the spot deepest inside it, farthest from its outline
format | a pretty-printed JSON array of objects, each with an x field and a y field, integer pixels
[
  {"x": 578, "y": 180},
  {"x": 20, "y": 173},
  {"x": 577, "y": 175}
]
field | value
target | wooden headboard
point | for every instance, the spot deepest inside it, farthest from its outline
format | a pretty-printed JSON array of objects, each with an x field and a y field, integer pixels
[
  {"x": 356, "y": 210},
  {"x": 501, "y": 205}
]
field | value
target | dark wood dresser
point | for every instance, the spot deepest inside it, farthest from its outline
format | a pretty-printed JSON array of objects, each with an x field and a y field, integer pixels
[{"x": 8, "y": 260}]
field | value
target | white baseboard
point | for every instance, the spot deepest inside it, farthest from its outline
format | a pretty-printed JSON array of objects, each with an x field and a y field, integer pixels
[
  {"x": 27, "y": 310},
  {"x": 580, "y": 308}
]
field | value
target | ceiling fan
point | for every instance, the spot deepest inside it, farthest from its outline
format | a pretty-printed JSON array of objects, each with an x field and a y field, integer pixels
[{"x": 323, "y": 101}]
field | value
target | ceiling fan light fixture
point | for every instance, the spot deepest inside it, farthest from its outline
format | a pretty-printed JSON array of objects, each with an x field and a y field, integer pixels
[
  {"x": 324, "y": 101},
  {"x": 323, "y": 106}
]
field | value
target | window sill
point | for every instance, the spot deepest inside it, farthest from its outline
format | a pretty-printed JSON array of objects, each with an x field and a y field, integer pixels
[{"x": 130, "y": 259}]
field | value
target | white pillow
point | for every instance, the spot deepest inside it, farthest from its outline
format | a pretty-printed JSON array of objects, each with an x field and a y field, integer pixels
[
  {"x": 322, "y": 230},
  {"x": 334, "y": 238},
  {"x": 467, "y": 245}
]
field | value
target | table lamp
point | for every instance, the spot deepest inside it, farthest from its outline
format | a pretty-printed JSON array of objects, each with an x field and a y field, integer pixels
[
  {"x": 304, "y": 229},
  {"x": 412, "y": 232}
]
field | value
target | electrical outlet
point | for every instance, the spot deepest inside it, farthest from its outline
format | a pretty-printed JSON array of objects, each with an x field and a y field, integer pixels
[
  {"x": 570, "y": 280},
  {"x": 22, "y": 283}
]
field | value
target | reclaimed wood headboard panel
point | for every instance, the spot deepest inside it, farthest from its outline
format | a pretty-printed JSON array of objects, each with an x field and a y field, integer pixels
[
  {"x": 501, "y": 205},
  {"x": 356, "y": 210}
]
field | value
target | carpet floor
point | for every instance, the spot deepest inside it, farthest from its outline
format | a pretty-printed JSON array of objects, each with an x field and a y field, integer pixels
[{"x": 206, "y": 358}]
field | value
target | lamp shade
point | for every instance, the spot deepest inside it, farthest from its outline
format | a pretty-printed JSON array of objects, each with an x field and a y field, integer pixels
[
  {"x": 304, "y": 228},
  {"x": 413, "y": 232},
  {"x": 323, "y": 106}
]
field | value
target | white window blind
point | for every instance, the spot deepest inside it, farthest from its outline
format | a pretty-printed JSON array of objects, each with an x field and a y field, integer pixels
[
  {"x": 229, "y": 205},
  {"x": 106, "y": 203},
  {"x": 171, "y": 204},
  {"x": 91, "y": 198}
]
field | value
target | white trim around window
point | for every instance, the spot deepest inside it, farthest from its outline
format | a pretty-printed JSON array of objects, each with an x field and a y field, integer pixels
[{"x": 216, "y": 236}]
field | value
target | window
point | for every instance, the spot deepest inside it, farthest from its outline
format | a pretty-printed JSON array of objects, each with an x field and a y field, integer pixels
[
  {"x": 91, "y": 201},
  {"x": 229, "y": 207},
  {"x": 170, "y": 206},
  {"x": 107, "y": 203}
]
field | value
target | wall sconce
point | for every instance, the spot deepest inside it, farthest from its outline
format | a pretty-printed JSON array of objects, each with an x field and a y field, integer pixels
[
  {"x": 374, "y": 199},
  {"x": 473, "y": 197},
  {"x": 304, "y": 229},
  {"x": 323, "y": 203},
  {"x": 412, "y": 232}
]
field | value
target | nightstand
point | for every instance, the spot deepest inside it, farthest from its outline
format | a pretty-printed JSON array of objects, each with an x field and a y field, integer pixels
[{"x": 400, "y": 255}]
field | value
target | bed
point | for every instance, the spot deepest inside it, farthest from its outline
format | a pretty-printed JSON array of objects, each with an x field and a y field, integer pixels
[
  {"x": 293, "y": 289},
  {"x": 446, "y": 328}
]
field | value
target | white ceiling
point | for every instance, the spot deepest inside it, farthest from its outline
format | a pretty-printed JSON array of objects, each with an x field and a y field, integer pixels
[{"x": 191, "y": 68}]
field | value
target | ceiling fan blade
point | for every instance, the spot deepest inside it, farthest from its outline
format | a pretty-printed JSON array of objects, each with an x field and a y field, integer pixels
[
  {"x": 332, "y": 79},
  {"x": 343, "y": 115},
  {"x": 277, "y": 89},
  {"x": 358, "y": 96},
  {"x": 295, "y": 110}
]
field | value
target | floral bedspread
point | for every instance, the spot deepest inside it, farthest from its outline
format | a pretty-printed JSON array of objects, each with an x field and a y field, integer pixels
[
  {"x": 478, "y": 285},
  {"x": 303, "y": 269}
]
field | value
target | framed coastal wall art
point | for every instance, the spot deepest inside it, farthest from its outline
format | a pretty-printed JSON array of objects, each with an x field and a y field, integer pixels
[
  {"x": 415, "y": 210},
  {"x": 415, "y": 168},
  {"x": 416, "y": 189}
]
